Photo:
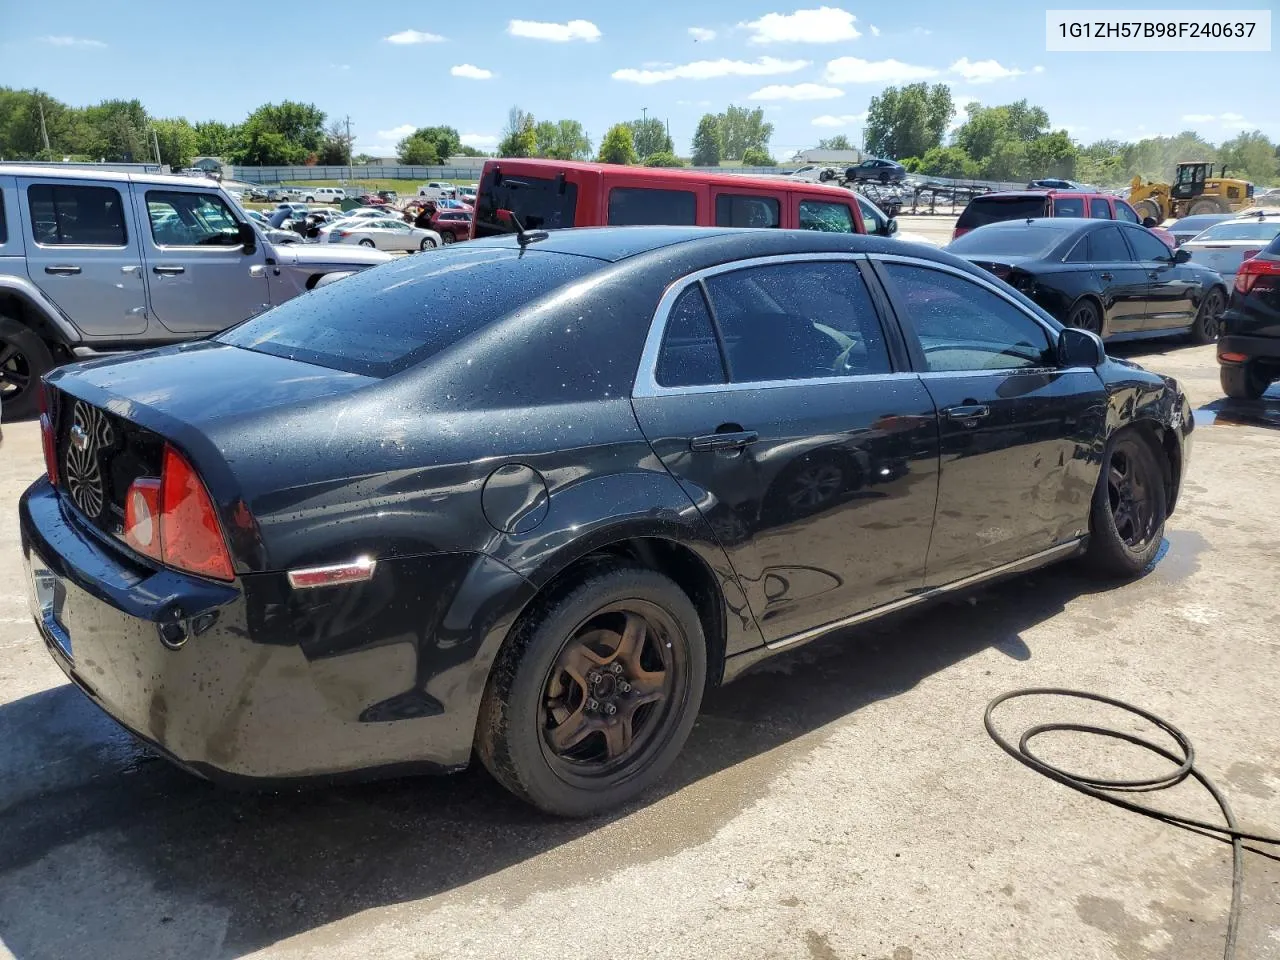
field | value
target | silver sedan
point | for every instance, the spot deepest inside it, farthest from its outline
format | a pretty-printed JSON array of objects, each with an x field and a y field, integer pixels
[{"x": 384, "y": 234}]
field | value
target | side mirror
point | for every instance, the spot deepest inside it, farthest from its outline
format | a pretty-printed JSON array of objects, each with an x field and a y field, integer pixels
[
  {"x": 1150, "y": 222},
  {"x": 1080, "y": 348},
  {"x": 1181, "y": 256},
  {"x": 891, "y": 227},
  {"x": 248, "y": 237}
]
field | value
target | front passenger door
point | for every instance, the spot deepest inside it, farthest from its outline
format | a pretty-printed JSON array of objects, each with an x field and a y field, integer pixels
[
  {"x": 1170, "y": 290},
  {"x": 1016, "y": 431}
]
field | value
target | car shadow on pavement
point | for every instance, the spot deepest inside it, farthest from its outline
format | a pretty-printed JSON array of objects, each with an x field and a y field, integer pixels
[
  {"x": 90, "y": 826},
  {"x": 1263, "y": 412}
]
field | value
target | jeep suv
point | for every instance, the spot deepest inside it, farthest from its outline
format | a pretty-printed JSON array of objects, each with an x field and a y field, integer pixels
[{"x": 93, "y": 262}]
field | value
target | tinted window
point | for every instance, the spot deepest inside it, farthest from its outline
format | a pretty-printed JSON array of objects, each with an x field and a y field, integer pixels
[
  {"x": 1099, "y": 209},
  {"x": 1107, "y": 246},
  {"x": 1242, "y": 230},
  {"x": 191, "y": 220},
  {"x": 795, "y": 321},
  {"x": 1146, "y": 246},
  {"x": 984, "y": 210},
  {"x": 1126, "y": 212},
  {"x": 690, "y": 355},
  {"x": 641, "y": 206},
  {"x": 827, "y": 217},
  {"x": 1079, "y": 253},
  {"x": 1068, "y": 206},
  {"x": 537, "y": 202},
  {"x": 78, "y": 216},
  {"x": 964, "y": 326},
  {"x": 388, "y": 318},
  {"x": 737, "y": 210},
  {"x": 873, "y": 220},
  {"x": 1021, "y": 240},
  {"x": 4, "y": 225},
  {"x": 1274, "y": 246}
]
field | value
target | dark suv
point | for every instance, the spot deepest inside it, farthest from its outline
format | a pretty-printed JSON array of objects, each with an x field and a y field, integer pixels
[
  {"x": 881, "y": 171},
  {"x": 1249, "y": 348}
]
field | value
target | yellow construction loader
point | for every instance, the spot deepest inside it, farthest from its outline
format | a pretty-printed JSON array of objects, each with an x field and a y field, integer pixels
[{"x": 1195, "y": 190}]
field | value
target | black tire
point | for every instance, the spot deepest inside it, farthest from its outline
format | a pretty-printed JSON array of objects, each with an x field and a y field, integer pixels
[
  {"x": 1147, "y": 208},
  {"x": 1206, "y": 206},
  {"x": 366, "y": 242},
  {"x": 1244, "y": 381},
  {"x": 447, "y": 238},
  {"x": 310, "y": 199},
  {"x": 884, "y": 178},
  {"x": 1205, "y": 327},
  {"x": 1124, "y": 537},
  {"x": 1085, "y": 315},
  {"x": 515, "y": 728},
  {"x": 428, "y": 244},
  {"x": 24, "y": 359}
]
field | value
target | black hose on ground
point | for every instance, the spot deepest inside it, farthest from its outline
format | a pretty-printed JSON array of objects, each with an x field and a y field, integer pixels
[{"x": 1105, "y": 789}]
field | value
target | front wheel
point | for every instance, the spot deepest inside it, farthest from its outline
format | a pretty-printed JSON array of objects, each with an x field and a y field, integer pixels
[
  {"x": 1126, "y": 524},
  {"x": 1243, "y": 382},
  {"x": 427, "y": 244},
  {"x": 594, "y": 694},
  {"x": 1205, "y": 328}
]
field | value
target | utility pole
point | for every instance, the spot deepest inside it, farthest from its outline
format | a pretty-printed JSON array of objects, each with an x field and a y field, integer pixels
[
  {"x": 350, "y": 172},
  {"x": 155, "y": 140},
  {"x": 44, "y": 133}
]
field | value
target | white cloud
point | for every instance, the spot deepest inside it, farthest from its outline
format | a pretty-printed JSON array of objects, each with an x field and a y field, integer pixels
[
  {"x": 853, "y": 70},
  {"x": 64, "y": 41},
  {"x": 339, "y": 66},
  {"x": 1232, "y": 121},
  {"x": 657, "y": 64},
  {"x": 823, "y": 25},
  {"x": 1199, "y": 117},
  {"x": 875, "y": 31},
  {"x": 983, "y": 71},
  {"x": 710, "y": 69},
  {"x": 481, "y": 141},
  {"x": 396, "y": 133},
  {"x": 1037, "y": 69},
  {"x": 839, "y": 120},
  {"x": 555, "y": 32},
  {"x": 799, "y": 91},
  {"x": 414, "y": 36},
  {"x": 702, "y": 33},
  {"x": 471, "y": 72}
]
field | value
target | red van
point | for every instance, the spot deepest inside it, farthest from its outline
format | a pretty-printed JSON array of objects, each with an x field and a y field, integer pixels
[{"x": 551, "y": 194}]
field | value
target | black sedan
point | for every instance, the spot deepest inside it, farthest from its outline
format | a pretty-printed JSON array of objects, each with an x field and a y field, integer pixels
[
  {"x": 529, "y": 497},
  {"x": 1110, "y": 277},
  {"x": 876, "y": 170}
]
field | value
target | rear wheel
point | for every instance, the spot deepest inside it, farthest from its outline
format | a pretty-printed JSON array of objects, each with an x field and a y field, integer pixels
[
  {"x": 366, "y": 242},
  {"x": 1085, "y": 315},
  {"x": 594, "y": 694},
  {"x": 447, "y": 238},
  {"x": 1206, "y": 206},
  {"x": 1245, "y": 381},
  {"x": 24, "y": 359},
  {"x": 1129, "y": 508},
  {"x": 1205, "y": 328}
]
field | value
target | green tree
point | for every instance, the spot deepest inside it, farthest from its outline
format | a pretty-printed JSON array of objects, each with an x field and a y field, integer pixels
[
  {"x": 650, "y": 137},
  {"x": 618, "y": 145},
  {"x": 663, "y": 158},
  {"x": 1052, "y": 155},
  {"x": 259, "y": 147},
  {"x": 215, "y": 138},
  {"x": 178, "y": 141},
  {"x": 1102, "y": 164},
  {"x": 838, "y": 142},
  {"x": 1155, "y": 157},
  {"x": 706, "y": 142},
  {"x": 755, "y": 157},
  {"x": 519, "y": 137},
  {"x": 1250, "y": 156},
  {"x": 119, "y": 131},
  {"x": 427, "y": 146},
  {"x": 20, "y": 129},
  {"x": 988, "y": 126},
  {"x": 466, "y": 151},
  {"x": 908, "y": 121},
  {"x": 1008, "y": 161},
  {"x": 741, "y": 129},
  {"x": 301, "y": 124},
  {"x": 950, "y": 162},
  {"x": 363, "y": 158},
  {"x": 336, "y": 148},
  {"x": 562, "y": 140}
]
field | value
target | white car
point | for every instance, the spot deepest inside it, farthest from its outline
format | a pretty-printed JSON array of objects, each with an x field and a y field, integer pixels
[
  {"x": 384, "y": 234},
  {"x": 359, "y": 213},
  {"x": 436, "y": 190},
  {"x": 469, "y": 194},
  {"x": 1226, "y": 245}
]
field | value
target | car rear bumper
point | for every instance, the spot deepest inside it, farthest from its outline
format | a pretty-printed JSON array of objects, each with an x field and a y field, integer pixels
[
  {"x": 269, "y": 685},
  {"x": 1252, "y": 348}
]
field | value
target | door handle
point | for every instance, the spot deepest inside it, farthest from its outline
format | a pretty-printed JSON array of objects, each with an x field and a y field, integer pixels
[
  {"x": 63, "y": 270},
  {"x": 166, "y": 271},
  {"x": 257, "y": 270},
  {"x": 1154, "y": 275},
  {"x": 968, "y": 411},
  {"x": 724, "y": 441},
  {"x": 1107, "y": 276},
  {"x": 129, "y": 269}
]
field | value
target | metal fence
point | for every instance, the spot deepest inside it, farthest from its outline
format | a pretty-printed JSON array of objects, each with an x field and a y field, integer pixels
[{"x": 357, "y": 173}]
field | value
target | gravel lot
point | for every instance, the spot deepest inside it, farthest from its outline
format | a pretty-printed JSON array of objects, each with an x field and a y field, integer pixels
[{"x": 842, "y": 802}]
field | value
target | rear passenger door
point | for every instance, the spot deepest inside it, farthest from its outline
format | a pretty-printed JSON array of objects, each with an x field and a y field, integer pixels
[
  {"x": 1122, "y": 281},
  {"x": 84, "y": 253},
  {"x": 781, "y": 403}
]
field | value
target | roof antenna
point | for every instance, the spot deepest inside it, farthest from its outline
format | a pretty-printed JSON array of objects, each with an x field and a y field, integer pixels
[{"x": 523, "y": 237}]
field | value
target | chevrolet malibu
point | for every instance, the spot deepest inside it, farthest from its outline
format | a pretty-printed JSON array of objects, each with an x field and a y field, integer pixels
[{"x": 528, "y": 498}]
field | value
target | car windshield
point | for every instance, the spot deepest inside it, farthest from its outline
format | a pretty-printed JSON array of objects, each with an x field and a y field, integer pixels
[
  {"x": 389, "y": 318},
  {"x": 984, "y": 210},
  {"x": 1026, "y": 241},
  {"x": 1242, "y": 230}
]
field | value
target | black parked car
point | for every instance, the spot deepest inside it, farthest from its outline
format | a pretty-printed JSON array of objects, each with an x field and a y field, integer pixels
[
  {"x": 532, "y": 495},
  {"x": 881, "y": 171},
  {"x": 1110, "y": 277},
  {"x": 1249, "y": 350}
]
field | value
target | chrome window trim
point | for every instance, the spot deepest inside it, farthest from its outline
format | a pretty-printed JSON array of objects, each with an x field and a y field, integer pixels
[{"x": 646, "y": 382}]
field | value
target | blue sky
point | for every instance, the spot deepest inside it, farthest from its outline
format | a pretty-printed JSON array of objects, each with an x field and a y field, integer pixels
[{"x": 814, "y": 67}]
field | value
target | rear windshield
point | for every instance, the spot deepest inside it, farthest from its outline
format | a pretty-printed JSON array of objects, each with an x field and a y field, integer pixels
[
  {"x": 1242, "y": 230},
  {"x": 388, "y": 318},
  {"x": 984, "y": 210},
  {"x": 1274, "y": 246},
  {"x": 1029, "y": 241},
  {"x": 539, "y": 203}
]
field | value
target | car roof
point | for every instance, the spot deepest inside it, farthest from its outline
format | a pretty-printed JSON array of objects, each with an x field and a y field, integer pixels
[
  {"x": 69, "y": 172},
  {"x": 1063, "y": 225}
]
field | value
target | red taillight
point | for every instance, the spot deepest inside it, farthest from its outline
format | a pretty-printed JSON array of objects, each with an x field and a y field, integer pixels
[
  {"x": 343, "y": 233},
  {"x": 46, "y": 436},
  {"x": 171, "y": 519},
  {"x": 1256, "y": 273}
]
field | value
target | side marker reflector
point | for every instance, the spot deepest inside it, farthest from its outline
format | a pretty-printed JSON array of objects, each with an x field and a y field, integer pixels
[{"x": 335, "y": 575}]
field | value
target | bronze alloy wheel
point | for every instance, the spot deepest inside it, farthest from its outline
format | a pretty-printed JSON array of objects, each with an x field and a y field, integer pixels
[
  {"x": 610, "y": 695},
  {"x": 1132, "y": 505}
]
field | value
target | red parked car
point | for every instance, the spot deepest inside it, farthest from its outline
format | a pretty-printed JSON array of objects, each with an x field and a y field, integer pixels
[
  {"x": 452, "y": 225},
  {"x": 1027, "y": 204}
]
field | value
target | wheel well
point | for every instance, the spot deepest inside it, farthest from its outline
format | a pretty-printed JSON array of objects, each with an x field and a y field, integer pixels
[
  {"x": 673, "y": 560},
  {"x": 1168, "y": 454},
  {"x": 16, "y": 307}
]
